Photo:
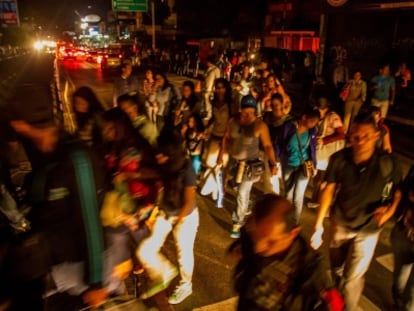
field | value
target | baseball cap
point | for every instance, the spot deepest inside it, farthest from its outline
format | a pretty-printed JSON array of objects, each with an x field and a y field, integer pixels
[{"x": 248, "y": 101}]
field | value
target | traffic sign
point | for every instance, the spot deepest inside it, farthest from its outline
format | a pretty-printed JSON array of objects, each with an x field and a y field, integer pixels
[{"x": 130, "y": 5}]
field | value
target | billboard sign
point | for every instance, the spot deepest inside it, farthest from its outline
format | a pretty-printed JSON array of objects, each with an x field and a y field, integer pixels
[
  {"x": 130, "y": 5},
  {"x": 9, "y": 13}
]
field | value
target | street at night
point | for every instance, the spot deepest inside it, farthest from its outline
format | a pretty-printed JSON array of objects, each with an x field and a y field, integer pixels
[{"x": 117, "y": 117}]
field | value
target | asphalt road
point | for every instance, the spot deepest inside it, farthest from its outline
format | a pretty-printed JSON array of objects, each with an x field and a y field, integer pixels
[{"x": 213, "y": 270}]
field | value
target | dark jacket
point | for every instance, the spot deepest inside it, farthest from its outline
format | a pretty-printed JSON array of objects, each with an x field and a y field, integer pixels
[{"x": 291, "y": 281}]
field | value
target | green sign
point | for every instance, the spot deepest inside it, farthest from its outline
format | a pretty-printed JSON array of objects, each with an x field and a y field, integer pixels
[{"x": 130, "y": 5}]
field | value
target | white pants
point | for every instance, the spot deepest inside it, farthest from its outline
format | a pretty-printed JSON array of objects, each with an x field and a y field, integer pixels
[
  {"x": 382, "y": 105},
  {"x": 149, "y": 252},
  {"x": 271, "y": 184}
]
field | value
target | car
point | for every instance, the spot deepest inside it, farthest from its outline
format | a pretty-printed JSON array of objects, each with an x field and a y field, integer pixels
[
  {"x": 69, "y": 54},
  {"x": 111, "y": 59}
]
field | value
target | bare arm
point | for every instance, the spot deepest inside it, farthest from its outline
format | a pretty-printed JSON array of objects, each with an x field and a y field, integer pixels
[
  {"x": 267, "y": 146},
  {"x": 325, "y": 203},
  {"x": 386, "y": 143},
  {"x": 392, "y": 91},
  {"x": 224, "y": 143},
  {"x": 364, "y": 91},
  {"x": 384, "y": 213},
  {"x": 189, "y": 197}
]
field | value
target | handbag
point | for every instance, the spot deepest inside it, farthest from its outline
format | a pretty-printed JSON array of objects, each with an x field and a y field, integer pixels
[
  {"x": 324, "y": 152},
  {"x": 308, "y": 168},
  {"x": 345, "y": 92},
  {"x": 254, "y": 170}
]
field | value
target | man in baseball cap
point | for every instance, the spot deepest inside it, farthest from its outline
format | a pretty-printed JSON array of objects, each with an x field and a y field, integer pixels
[{"x": 243, "y": 136}]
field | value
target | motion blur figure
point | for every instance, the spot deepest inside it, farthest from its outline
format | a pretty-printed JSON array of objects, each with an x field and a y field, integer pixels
[
  {"x": 276, "y": 269},
  {"x": 368, "y": 183}
]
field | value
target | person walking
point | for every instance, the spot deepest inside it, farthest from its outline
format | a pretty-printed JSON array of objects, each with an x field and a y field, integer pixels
[
  {"x": 366, "y": 183},
  {"x": 354, "y": 94},
  {"x": 384, "y": 90},
  {"x": 179, "y": 215},
  {"x": 126, "y": 83},
  {"x": 276, "y": 269},
  {"x": 212, "y": 73},
  {"x": 242, "y": 138}
]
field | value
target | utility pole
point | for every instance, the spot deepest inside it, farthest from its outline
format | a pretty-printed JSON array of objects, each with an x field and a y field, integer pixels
[
  {"x": 153, "y": 23},
  {"x": 322, "y": 46}
]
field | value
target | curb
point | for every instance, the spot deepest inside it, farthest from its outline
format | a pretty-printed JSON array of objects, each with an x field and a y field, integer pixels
[{"x": 400, "y": 120}]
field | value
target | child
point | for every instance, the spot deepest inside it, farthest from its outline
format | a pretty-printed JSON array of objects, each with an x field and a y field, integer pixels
[{"x": 193, "y": 133}]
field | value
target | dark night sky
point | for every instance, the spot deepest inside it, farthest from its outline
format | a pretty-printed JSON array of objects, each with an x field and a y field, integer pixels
[
  {"x": 51, "y": 13},
  {"x": 47, "y": 12}
]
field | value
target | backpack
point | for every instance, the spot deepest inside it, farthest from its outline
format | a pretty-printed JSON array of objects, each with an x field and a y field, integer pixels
[{"x": 30, "y": 255}]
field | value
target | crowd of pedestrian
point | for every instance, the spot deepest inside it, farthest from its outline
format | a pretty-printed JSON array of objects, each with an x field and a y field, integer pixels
[{"x": 104, "y": 199}]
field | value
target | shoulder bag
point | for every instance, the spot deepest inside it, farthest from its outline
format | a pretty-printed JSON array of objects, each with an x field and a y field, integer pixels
[{"x": 308, "y": 169}]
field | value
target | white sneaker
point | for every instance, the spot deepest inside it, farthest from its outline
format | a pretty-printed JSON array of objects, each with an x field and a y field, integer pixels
[
  {"x": 313, "y": 205},
  {"x": 158, "y": 287},
  {"x": 180, "y": 293}
]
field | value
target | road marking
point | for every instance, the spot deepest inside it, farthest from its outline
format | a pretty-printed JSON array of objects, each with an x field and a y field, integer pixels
[{"x": 386, "y": 261}]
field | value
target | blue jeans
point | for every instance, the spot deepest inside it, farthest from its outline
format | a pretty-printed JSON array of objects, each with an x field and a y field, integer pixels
[
  {"x": 351, "y": 253},
  {"x": 242, "y": 195},
  {"x": 403, "y": 275},
  {"x": 295, "y": 187},
  {"x": 220, "y": 186}
]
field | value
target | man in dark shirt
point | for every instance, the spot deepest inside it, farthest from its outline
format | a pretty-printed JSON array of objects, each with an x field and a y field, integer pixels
[
  {"x": 126, "y": 83},
  {"x": 277, "y": 270},
  {"x": 366, "y": 183}
]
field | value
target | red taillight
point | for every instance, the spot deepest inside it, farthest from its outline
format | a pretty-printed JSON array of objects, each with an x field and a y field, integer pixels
[
  {"x": 106, "y": 55},
  {"x": 120, "y": 55}
]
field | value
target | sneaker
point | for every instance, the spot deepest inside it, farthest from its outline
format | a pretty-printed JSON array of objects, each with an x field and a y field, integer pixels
[
  {"x": 180, "y": 293},
  {"x": 158, "y": 287},
  {"x": 235, "y": 232},
  {"x": 313, "y": 205}
]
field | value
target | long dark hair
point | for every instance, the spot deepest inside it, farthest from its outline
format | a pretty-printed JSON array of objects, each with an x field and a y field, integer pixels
[
  {"x": 95, "y": 106},
  {"x": 227, "y": 86},
  {"x": 199, "y": 125},
  {"x": 89, "y": 95},
  {"x": 192, "y": 100},
  {"x": 125, "y": 134},
  {"x": 166, "y": 81}
]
